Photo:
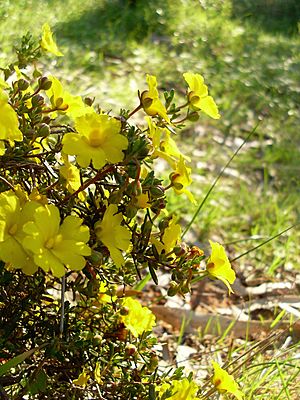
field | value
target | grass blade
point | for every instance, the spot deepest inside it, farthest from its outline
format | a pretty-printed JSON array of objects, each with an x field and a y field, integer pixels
[
  {"x": 264, "y": 242},
  {"x": 13, "y": 362},
  {"x": 216, "y": 181}
]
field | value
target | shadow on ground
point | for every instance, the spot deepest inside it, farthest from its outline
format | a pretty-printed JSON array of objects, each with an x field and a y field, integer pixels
[{"x": 117, "y": 23}]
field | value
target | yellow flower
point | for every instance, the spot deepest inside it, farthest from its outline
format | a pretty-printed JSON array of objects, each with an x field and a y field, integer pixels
[
  {"x": 151, "y": 102},
  {"x": 143, "y": 201},
  {"x": 198, "y": 96},
  {"x": 102, "y": 296},
  {"x": 3, "y": 84},
  {"x": 55, "y": 246},
  {"x": 181, "y": 178},
  {"x": 97, "y": 374},
  {"x": 47, "y": 41},
  {"x": 9, "y": 124},
  {"x": 98, "y": 140},
  {"x": 169, "y": 239},
  {"x": 2, "y": 148},
  {"x": 163, "y": 145},
  {"x": 14, "y": 213},
  {"x": 139, "y": 319},
  {"x": 113, "y": 235},
  {"x": 219, "y": 267},
  {"x": 36, "y": 196},
  {"x": 82, "y": 379},
  {"x": 60, "y": 98},
  {"x": 71, "y": 175},
  {"x": 225, "y": 382},
  {"x": 181, "y": 389}
]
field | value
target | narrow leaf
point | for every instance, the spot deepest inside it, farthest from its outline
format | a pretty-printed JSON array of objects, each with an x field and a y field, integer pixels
[{"x": 16, "y": 360}]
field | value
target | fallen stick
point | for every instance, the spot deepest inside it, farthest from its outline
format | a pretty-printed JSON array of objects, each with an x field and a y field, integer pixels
[{"x": 213, "y": 324}]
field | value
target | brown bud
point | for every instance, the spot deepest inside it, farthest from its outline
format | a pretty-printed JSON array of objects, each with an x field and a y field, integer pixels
[
  {"x": 37, "y": 100},
  {"x": 157, "y": 191},
  {"x": 89, "y": 101},
  {"x": 124, "y": 311},
  {"x": 44, "y": 83},
  {"x": 22, "y": 84},
  {"x": 130, "y": 350}
]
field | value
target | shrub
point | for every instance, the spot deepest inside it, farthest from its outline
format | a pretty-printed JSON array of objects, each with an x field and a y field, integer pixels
[{"x": 82, "y": 220}]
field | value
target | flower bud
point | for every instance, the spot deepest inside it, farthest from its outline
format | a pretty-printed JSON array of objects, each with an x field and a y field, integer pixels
[
  {"x": 124, "y": 311},
  {"x": 46, "y": 120},
  {"x": 194, "y": 116},
  {"x": 89, "y": 101},
  {"x": 131, "y": 189},
  {"x": 185, "y": 288},
  {"x": 44, "y": 83},
  {"x": 139, "y": 189},
  {"x": 158, "y": 205},
  {"x": 179, "y": 251},
  {"x": 44, "y": 130},
  {"x": 130, "y": 350},
  {"x": 163, "y": 224},
  {"x": 147, "y": 227},
  {"x": 157, "y": 191},
  {"x": 97, "y": 340},
  {"x": 23, "y": 84},
  {"x": 37, "y": 100}
]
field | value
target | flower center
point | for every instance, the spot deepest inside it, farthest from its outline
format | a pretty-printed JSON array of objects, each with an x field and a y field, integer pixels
[
  {"x": 210, "y": 265},
  {"x": 217, "y": 382},
  {"x": 95, "y": 138},
  {"x": 50, "y": 243},
  {"x": 13, "y": 229},
  {"x": 193, "y": 98}
]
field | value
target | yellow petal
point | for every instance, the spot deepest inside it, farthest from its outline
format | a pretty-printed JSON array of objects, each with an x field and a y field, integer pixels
[
  {"x": 224, "y": 382},
  {"x": 208, "y": 105},
  {"x": 139, "y": 319},
  {"x": 47, "y": 41}
]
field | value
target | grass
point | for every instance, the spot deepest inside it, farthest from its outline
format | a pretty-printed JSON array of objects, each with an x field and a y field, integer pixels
[{"x": 250, "y": 57}]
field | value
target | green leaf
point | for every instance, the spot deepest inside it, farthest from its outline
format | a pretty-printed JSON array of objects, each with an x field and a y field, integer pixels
[
  {"x": 39, "y": 383},
  {"x": 141, "y": 284},
  {"x": 278, "y": 318},
  {"x": 153, "y": 274},
  {"x": 16, "y": 360}
]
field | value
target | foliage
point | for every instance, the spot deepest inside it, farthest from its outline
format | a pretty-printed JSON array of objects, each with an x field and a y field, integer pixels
[{"x": 82, "y": 219}]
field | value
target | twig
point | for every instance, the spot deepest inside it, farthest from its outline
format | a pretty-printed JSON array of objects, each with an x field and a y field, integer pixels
[{"x": 62, "y": 302}]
